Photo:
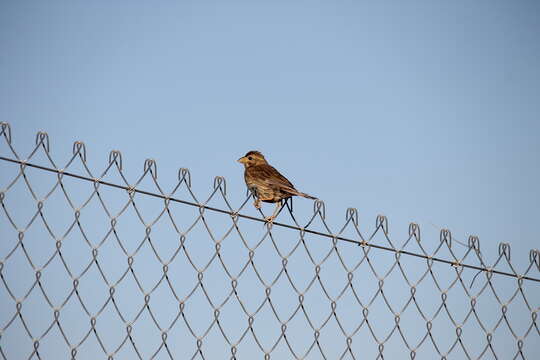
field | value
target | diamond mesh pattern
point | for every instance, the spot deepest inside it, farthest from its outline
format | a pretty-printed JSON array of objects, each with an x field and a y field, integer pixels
[{"x": 93, "y": 266}]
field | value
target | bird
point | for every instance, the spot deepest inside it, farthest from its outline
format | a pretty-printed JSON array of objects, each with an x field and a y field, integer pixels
[{"x": 266, "y": 184}]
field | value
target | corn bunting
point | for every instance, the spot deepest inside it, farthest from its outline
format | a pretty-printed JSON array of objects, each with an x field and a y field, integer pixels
[{"x": 266, "y": 183}]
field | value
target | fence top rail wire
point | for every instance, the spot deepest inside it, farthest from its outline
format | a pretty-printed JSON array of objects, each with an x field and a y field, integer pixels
[{"x": 240, "y": 215}]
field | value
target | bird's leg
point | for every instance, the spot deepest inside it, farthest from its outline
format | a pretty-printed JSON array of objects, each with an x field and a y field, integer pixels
[
  {"x": 257, "y": 203},
  {"x": 276, "y": 212}
]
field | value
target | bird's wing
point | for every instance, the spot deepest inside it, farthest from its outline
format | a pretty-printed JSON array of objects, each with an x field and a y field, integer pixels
[{"x": 273, "y": 178}]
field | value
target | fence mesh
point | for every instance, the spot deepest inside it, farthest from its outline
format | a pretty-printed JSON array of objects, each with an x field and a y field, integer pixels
[{"x": 94, "y": 266}]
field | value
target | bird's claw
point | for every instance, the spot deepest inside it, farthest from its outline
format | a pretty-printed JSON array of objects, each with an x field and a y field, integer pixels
[{"x": 269, "y": 219}]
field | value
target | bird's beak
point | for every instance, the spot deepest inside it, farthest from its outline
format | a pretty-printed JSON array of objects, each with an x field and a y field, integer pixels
[{"x": 242, "y": 160}]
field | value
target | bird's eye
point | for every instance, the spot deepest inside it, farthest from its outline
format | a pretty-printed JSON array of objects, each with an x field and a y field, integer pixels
[{"x": 250, "y": 158}]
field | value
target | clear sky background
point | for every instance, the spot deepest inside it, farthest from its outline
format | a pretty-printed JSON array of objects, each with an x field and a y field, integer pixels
[{"x": 423, "y": 111}]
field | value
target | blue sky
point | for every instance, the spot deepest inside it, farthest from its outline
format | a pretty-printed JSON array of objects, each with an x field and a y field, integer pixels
[
  {"x": 419, "y": 111},
  {"x": 424, "y": 111}
]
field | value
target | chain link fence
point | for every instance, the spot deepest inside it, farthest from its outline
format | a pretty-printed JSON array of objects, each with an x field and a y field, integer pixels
[{"x": 93, "y": 266}]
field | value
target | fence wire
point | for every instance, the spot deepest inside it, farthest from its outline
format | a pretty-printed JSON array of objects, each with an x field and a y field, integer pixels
[{"x": 93, "y": 266}]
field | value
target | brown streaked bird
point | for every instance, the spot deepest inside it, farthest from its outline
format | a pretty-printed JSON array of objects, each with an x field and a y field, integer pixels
[{"x": 266, "y": 183}]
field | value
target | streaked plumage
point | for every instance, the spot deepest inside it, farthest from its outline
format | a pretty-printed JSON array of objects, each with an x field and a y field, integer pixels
[{"x": 266, "y": 183}]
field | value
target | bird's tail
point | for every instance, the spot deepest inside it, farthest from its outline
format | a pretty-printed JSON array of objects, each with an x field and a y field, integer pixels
[{"x": 307, "y": 196}]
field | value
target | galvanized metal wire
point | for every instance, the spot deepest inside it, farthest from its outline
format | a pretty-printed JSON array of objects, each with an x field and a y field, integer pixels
[{"x": 228, "y": 289}]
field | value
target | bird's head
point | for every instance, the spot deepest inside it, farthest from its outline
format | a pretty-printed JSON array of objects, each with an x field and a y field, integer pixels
[{"x": 252, "y": 158}]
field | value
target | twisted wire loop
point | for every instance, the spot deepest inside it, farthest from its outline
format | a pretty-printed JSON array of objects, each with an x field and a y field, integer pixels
[{"x": 94, "y": 266}]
